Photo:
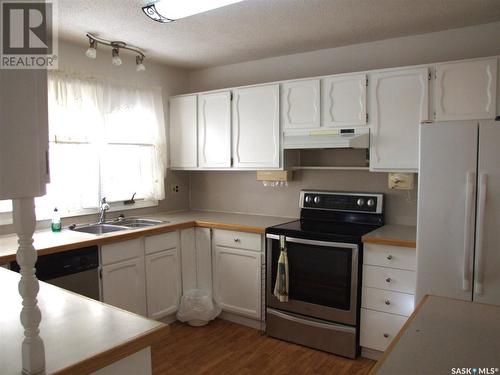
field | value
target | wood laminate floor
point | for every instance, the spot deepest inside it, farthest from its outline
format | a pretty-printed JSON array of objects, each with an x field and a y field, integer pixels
[{"x": 225, "y": 348}]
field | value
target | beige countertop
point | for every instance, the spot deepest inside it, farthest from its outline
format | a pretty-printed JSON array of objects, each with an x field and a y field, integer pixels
[
  {"x": 47, "y": 242},
  {"x": 444, "y": 334},
  {"x": 393, "y": 234},
  {"x": 80, "y": 335}
]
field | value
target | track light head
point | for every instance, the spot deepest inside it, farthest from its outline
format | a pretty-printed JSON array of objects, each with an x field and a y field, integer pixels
[
  {"x": 139, "y": 60},
  {"x": 116, "y": 56},
  {"x": 91, "y": 52}
]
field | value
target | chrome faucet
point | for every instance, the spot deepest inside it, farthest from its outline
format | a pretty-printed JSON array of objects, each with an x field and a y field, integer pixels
[{"x": 102, "y": 211}]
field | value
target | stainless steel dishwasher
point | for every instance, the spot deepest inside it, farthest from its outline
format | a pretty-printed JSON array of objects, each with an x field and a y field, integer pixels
[{"x": 74, "y": 270}]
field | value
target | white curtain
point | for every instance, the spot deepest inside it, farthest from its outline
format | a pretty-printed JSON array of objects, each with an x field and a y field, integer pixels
[{"x": 106, "y": 139}]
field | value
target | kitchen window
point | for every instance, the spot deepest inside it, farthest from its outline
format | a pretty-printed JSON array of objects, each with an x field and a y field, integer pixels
[{"x": 105, "y": 140}]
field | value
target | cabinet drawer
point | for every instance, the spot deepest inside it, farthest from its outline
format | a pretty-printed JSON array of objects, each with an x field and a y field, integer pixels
[
  {"x": 164, "y": 241},
  {"x": 120, "y": 251},
  {"x": 387, "y": 301},
  {"x": 389, "y": 256},
  {"x": 378, "y": 329},
  {"x": 238, "y": 240},
  {"x": 389, "y": 279}
]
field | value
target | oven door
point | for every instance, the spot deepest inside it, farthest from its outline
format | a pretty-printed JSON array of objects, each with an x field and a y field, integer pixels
[{"x": 323, "y": 278}]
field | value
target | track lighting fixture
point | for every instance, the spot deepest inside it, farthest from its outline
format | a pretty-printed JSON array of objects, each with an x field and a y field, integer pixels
[{"x": 116, "y": 46}]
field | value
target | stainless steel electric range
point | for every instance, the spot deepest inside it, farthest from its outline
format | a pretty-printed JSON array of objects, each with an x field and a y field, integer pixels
[{"x": 324, "y": 251}]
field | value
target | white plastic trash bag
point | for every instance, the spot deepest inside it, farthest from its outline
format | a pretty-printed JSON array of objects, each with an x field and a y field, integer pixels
[{"x": 197, "y": 308}]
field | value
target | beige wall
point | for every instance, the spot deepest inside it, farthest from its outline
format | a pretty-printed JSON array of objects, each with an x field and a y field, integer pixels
[
  {"x": 239, "y": 191},
  {"x": 467, "y": 42}
]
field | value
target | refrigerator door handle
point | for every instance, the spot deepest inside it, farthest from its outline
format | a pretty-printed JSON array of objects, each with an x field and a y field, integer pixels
[
  {"x": 469, "y": 209},
  {"x": 483, "y": 189}
]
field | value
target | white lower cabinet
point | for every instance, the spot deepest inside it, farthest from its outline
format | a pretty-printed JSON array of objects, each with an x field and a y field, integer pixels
[
  {"x": 163, "y": 275},
  {"x": 123, "y": 285},
  {"x": 388, "y": 293},
  {"x": 237, "y": 281}
]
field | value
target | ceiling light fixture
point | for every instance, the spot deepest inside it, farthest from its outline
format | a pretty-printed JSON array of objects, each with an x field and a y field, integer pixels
[
  {"x": 170, "y": 10},
  {"x": 116, "y": 46}
]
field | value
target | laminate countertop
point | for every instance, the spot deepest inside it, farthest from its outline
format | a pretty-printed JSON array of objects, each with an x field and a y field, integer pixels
[
  {"x": 80, "y": 335},
  {"x": 47, "y": 242},
  {"x": 442, "y": 336},
  {"x": 393, "y": 234}
]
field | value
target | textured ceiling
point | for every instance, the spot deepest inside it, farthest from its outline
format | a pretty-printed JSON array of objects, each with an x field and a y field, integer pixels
[{"x": 255, "y": 29}]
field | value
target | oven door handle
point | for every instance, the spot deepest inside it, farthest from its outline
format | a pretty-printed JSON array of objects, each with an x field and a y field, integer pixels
[{"x": 321, "y": 243}]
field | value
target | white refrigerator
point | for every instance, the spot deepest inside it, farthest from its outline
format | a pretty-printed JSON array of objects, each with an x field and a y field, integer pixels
[{"x": 458, "y": 225}]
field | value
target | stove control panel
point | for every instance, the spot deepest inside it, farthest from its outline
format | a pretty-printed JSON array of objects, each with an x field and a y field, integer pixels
[{"x": 340, "y": 201}]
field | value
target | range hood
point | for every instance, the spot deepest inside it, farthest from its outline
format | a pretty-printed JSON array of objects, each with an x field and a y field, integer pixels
[{"x": 327, "y": 138}]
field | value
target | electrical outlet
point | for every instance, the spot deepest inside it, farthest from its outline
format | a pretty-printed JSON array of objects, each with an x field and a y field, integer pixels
[
  {"x": 403, "y": 181},
  {"x": 174, "y": 188}
]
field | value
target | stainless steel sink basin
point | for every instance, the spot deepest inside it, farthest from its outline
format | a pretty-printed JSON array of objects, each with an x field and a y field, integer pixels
[
  {"x": 138, "y": 222},
  {"x": 100, "y": 228}
]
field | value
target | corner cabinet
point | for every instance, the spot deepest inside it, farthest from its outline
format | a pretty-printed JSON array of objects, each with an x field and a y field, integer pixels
[
  {"x": 183, "y": 132},
  {"x": 300, "y": 103},
  {"x": 24, "y": 138},
  {"x": 466, "y": 90},
  {"x": 343, "y": 100},
  {"x": 399, "y": 103},
  {"x": 256, "y": 127},
  {"x": 214, "y": 130}
]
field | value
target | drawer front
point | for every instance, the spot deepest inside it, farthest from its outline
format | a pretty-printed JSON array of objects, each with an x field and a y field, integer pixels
[
  {"x": 389, "y": 279},
  {"x": 389, "y": 256},
  {"x": 164, "y": 241},
  {"x": 121, "y": 251},
  {"x": 387, "y": 301},
  {"x": 238, "y": 240},
  {"x": 378, "y": 329}
]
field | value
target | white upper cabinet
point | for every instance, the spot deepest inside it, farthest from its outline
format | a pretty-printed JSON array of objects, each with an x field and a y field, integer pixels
[
  {"x": 300, "y": 104},
  {"x": 466, "y": 90},
  {"x": 343, "y": 100},
  {"x": 183, "y": 132},
  {"x": 214, "y": 129},
  {"x": 24, "y": 138},
  {"x": 398, "y": 104},
  {"x": 256, "y": 127}
]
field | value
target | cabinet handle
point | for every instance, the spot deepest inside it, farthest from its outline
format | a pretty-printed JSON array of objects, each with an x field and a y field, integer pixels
[
  {"x": 388, "y": 280},
  {"x": 389, "y": 257},
  {"x": 386, "y": 335},
  {"x": 387, "y": 302},
  {"x": 237, "y": 240}
]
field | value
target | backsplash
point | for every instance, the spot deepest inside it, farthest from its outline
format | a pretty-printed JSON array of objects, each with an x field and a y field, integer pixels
[{"x": 241, "y": 192}]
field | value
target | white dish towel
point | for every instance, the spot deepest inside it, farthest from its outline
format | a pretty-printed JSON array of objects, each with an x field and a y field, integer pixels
[{"x": 281, "y": 285}]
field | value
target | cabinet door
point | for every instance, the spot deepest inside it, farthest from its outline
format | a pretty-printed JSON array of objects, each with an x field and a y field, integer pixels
[
  {"x": 24, "y": 133},
  {"x": 123, "y": 285},
  {"x": 399, "y": 103},
  {"x": 237, "y": 281},
  {"x": 256, "y": 129},
  {"x": 203, "y": 258},
  {"x": 183, "y": 132},
  {"x": 466, "y": 90},
  {"x": 487, "y": 277},
  {"x": 300, "y": 104},
  {"x": 163, "y": 283},
  {"x": 214, "y": 129},
  {"x": 188, "y": 259},
  {"x": 343, "y": 100}
]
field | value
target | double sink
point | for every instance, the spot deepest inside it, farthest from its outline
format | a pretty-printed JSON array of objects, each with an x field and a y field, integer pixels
[{"x": 117, "y": 225}]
